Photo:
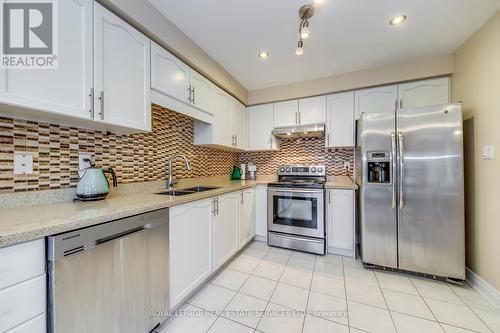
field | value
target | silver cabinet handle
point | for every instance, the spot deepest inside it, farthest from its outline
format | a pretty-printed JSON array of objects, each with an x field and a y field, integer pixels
[
  {"x": 101, "y": 99},
  {"x": 236, "y": 140},
  {"x": 328, "y": 139},
  {"x": 329, "y": 196},
  {"x": 242, "y": 198},
  {"x": 393, "y": 159},
  {"x": 400, "y": 103},
  {"x": 300, "y": 117},
  {"x": 401, "y": 170},
  {"x": 91, "y": 109},
  {"x": 189, "y": 94},
  {"x": 194, "y": 95},
  {"x": 217, "y": 204},
  {"x": 296, "y": 117},
  {"x": 213, "y": 206}
]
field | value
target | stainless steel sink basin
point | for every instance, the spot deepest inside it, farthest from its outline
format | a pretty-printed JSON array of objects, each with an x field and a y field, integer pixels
[
  {"x": 176, "y": 193},
  {"x": 186, "y": 191},
  {"x": 200, "y": 188}
]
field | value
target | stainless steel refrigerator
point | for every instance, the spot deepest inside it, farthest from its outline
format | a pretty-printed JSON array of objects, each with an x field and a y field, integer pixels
[{"x": 412, "y": 190}]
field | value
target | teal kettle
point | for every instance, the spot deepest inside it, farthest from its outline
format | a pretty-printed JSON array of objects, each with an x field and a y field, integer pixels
[{"x": 93, "y": 184}]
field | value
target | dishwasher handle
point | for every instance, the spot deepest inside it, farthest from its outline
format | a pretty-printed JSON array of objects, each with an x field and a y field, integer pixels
[{"x": 120, "y": 235}]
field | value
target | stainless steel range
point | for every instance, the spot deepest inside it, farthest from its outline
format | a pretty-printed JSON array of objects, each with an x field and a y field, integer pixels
[{"x": 296, "y": 210}]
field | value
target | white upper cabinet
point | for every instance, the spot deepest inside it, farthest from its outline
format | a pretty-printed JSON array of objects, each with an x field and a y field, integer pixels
[
  {"x": 340, "y": 120},
  {"x": 260, "y": 127},
  {"x": 424, "y": 93},
  {"x": 286, "y": 113},
  {"x": 121, "y": 72},
  {"x": 240, "y": 125},
  {"x": 312, "y": 110},
  {"x": 202, "y": 92},
  {"x": 223, "y": 122},
  {"x": 67, "y": 89},
  {"x": 169, "y": 75},
  {"x": 380, "y": 99}
]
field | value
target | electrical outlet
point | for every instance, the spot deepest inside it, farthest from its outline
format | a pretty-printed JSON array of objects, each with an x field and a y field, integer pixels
[
  {"x": 82, "y": 165},
  {"x": 488, "y": 152},
  {"x": 347, "y": 166},
  {"x": 23, "y": 164}
]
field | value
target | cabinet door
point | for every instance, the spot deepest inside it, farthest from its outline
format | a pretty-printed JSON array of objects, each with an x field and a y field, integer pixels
[
  {"x": 380, "y": 99},
  {"x": 286, "y": 113},
  {"x": 340, "y": 124},
  {"x": 341, "y": 221},
  {"x": 121, "y": 72},
  {"x": 240, "y": 125},
  {"x": 424, "y": 93},
  {"x": 225, "y": 228},
  {"x": 312, "y": 110},
  {"x": 35, "y": 325},
  {"x": 260, "y": 127},
  {"x": 223, "y": 119},
  {"x": 246, "y": 216},
  {"x": 190, "y": 248},
  {"x": 21, "y": 262},
  {"x": 203, "y": 91},
  {"x": 260, "y": 212},
  {"x": 67, "y": 89},
  {"x": 169, "y": 75}
]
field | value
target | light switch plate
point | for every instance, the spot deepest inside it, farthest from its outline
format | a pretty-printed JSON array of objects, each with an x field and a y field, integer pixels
[
  {"x": 488, "y": 152},
  {"x": 23, "y": 163}
]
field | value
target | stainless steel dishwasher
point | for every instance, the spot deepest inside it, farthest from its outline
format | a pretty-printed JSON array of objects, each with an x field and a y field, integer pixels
[{"x": 112, "y": 277}]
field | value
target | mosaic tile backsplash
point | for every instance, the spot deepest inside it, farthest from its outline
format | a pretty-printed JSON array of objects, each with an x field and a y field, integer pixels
[
  {"x": 138, "y": 157},
  {"x": 303, "y": 151}
]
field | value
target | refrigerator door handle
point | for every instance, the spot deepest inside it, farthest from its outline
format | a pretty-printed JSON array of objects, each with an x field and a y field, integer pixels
[
  {"x": 393, "y": 159},
  {"x": 401, "y": 170}
]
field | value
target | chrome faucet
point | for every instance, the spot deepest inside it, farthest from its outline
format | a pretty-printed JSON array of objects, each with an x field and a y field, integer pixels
[{"x": 170, "y": 181}]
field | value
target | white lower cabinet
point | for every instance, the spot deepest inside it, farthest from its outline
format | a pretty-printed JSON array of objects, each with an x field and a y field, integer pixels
[
  {"x": 260, "y": 212},
  {"x": 247, "y": 230},
  {"x": 190, "y": 248},
  {"x": 340, "y": 215},
  {"x": 23, "y": 290},
  {"x": 225, "y": 228}
]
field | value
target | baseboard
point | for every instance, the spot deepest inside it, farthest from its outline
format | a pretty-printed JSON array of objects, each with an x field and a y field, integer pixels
[
  {"x": 341, "y": 252},
  {"x": 260, "y": 238},
  {"x": 483, "y": 288}
]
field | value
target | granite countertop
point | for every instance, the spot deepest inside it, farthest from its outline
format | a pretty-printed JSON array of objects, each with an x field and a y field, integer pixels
[
  {"x": 341, "y": 182},
  {"x": 25, "y": 223}
]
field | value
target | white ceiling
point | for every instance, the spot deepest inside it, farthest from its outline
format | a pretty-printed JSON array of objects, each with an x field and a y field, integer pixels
[{"x": 346, "y": 35}]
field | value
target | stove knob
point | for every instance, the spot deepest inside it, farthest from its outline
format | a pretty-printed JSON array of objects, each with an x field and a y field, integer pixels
[
  {"x": 287, "y": 169},
  {"x": 282, "y": 169},
  {"x": 320, "y": 169},
  {"x": 313, "y": 169}
]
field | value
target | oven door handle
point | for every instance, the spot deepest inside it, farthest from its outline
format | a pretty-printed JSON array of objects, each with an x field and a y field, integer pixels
[{"x": 289, "y": 190}]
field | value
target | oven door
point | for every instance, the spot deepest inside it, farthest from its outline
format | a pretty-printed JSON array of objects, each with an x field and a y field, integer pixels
[{"x": 296, "y": 211}]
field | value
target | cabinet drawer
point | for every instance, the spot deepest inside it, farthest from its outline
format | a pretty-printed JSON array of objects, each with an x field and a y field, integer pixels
[
  {"x": 21, "y": 302},
  {"x": 21, "y": 262},
  {"x": 35, "y": 325}
]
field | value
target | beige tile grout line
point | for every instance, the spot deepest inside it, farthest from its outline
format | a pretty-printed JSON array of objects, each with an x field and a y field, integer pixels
[
  {"x": 474, "y": 312},
  {"x": 387, "y": 305},
  {"x": 274, "y": 290},
  {"x": 236, "y": 293},
  {"x": 308, "y": 294}
]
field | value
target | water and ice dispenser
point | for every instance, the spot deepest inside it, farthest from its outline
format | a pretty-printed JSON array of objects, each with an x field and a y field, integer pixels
[{"x": 379, "y": 167}]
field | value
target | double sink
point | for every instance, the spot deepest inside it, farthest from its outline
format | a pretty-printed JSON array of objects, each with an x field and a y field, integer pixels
[{"x": 186, "y": 191}]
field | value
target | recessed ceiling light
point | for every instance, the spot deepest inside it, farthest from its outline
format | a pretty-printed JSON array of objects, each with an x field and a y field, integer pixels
[
  {"x": 396, "y": 20},
  {"x": 263, "y": 54},
  {"x": 318, "y": 3}
]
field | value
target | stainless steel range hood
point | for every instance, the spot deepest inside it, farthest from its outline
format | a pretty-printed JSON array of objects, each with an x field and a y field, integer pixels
[{"x": 300, "y": 131}]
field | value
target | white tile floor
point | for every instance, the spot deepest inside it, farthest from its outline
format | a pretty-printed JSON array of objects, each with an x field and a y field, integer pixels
[{"x": 273, "y": 290}]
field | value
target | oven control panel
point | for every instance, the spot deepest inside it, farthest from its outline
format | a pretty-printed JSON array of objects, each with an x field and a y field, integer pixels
[{"x": 302, "y": 170}]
